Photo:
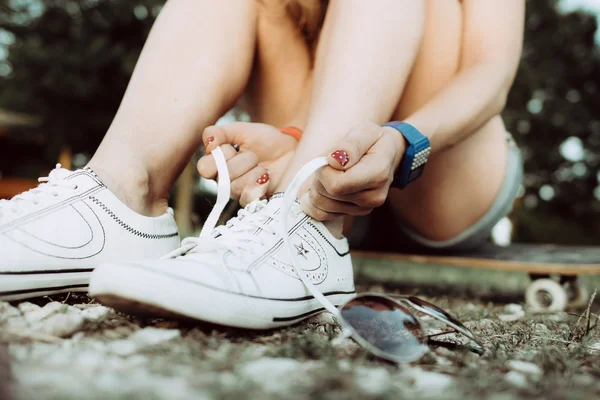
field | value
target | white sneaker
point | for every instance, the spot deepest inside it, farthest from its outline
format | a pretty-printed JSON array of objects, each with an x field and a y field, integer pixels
[
  {"x": 53, "y": 236},
  {"x": 239, "y": 276}
]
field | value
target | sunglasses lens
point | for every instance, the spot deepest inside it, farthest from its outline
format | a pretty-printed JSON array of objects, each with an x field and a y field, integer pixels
[{"x": 387, "y": 326}]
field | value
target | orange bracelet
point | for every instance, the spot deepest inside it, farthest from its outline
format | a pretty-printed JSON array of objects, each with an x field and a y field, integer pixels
[{"x": 292, "y": 131}]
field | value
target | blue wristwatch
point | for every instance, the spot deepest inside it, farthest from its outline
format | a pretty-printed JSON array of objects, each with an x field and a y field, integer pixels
[{"x": 415, "y": 156}]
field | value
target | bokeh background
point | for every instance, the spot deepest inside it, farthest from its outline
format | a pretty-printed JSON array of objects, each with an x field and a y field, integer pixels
[{"x": 65, "y": 64}]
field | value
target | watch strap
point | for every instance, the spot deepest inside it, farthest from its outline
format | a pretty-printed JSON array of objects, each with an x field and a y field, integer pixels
[{"x": 415, "y": 155}]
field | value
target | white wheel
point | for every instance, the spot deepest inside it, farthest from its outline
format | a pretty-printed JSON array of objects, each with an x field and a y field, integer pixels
[
  {"x": 546, "y": 295},
  {"x": 578, "y": 294}
]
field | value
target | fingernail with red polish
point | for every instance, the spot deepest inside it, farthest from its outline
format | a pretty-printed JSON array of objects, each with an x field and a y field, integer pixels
[
  {"x": 209, "y": 140},
  {"x": 264, "y": 178},
  {"x": 341, "y": 156}
]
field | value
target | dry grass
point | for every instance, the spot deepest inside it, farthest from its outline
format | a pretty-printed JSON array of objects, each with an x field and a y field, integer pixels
[{"x": 211, "y": 361}]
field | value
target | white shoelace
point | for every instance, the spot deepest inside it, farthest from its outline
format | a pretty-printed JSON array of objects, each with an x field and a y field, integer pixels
[
  {"x": 52, "y": 185},
  {"x": 237, "y": 236}
]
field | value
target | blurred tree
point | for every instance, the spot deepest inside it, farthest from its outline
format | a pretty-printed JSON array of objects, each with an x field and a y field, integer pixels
[
  {"x": 553, "y": 111},
  {"x": 69, "y": 62}
]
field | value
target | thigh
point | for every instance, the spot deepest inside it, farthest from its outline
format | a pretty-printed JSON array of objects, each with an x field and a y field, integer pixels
[
  {"x": 282, "y": 73},
  {"x": 460, "y": 183}
]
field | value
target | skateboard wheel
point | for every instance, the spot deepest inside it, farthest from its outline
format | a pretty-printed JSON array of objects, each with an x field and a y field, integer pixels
[
  {"x": 546, "y": 295},
  {"x": 578, "y": 294}
]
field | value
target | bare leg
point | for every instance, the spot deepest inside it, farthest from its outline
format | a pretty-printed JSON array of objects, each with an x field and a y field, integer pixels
[
  {"x": 350, "y": 87},
  {"x": 460, "y": 183},
  {"x": 194, "y": 66}
]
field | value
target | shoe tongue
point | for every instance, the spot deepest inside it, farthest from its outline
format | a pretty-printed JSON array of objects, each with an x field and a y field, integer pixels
[{"x": 275, "y": 200}]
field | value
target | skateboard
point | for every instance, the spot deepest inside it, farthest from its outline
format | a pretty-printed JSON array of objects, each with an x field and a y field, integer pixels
[{"x": 542, "y": 262}]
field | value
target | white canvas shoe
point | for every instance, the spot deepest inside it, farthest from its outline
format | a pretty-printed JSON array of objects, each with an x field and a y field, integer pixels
[
  {"x": 241, "y": 274},
  {"x": 53, "y": 236}
]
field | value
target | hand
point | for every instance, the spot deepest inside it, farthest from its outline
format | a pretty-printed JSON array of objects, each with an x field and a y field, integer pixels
[
  {"x": 359, "y": 174},
  {"x": 262, "y": 157}
]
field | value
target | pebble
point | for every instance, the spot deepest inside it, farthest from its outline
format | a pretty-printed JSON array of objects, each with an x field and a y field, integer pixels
[
  {"x": 429, "y": 381},
  {"x": 96, "y": 313},
  {"x": 512, "y": 312},
  {"x": 60, "y": 325},
  {"x": 27, "y": 307},
  {"x": 524, "y": 367},
  {"x": 516, "y": 379},
  {"x": 152, "y": 336},
  {"x": 46, "y": 311},
  {"x": 7, "y": 311}
]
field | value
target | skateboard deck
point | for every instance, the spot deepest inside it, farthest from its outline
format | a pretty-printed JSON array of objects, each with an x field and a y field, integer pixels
[
  {"x": 533, "y": 258},
  {"x": 539, "y": 260}
]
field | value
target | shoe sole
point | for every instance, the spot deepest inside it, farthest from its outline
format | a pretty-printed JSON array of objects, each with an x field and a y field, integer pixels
[
  {"x": 17, "y": 286},
  {"x": 140, "y": 291}
]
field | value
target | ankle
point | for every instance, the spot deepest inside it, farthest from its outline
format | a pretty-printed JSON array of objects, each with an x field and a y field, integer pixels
[{"x": 132, "y": 186}]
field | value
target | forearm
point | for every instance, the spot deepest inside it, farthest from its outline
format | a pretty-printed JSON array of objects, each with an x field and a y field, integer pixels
[
  {"x": 363, "y": 59},
  {"x": 472, "y": 98}
]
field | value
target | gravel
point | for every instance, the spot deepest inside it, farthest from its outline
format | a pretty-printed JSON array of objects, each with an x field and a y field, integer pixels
[{"x": 76, "y": 349}]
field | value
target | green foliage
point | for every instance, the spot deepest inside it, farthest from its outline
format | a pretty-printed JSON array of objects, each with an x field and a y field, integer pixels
[
  {"x": 556, "y": 96},
  {"x": 71, "y": 64}
]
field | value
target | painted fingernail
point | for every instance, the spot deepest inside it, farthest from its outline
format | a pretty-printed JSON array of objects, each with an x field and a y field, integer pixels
[
  {"x": 264, "y": 178},
  {"x": 341, "y": 156},
  {"x": 209, "y": 140}
]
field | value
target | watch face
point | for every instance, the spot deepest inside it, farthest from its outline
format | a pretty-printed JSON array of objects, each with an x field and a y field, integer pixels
[{"x": 415, "y": 173}]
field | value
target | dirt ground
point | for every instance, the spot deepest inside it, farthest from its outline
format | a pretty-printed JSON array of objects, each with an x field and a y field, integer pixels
[{"x": 68, "y": 347}]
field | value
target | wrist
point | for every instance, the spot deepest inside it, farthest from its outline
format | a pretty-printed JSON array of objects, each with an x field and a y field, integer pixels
[
  {"x": 292, "y": 131},
  {"x": 399, "y": 143}
]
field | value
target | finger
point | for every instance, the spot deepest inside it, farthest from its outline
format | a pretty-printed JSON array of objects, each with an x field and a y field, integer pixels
[
  {"x": 314, "y": 211},
  {"x": 333, "y": 206},
  {"x": 249, "y": 178},
  {"x": 215, "y": 136},
  {"x": 241, "y": 163},
  {"x": 374, "y": 170},
  {"x": 355, "y": 145},
  {"x": 207, "y": 167},
  {"x": 257, "y": 186},
  {"x": 235, "y": 133},
  {"x": 367, "y": 199}
]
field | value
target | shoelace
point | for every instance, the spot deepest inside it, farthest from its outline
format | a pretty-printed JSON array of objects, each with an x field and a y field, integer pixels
[
  {"x": 233, "y": 235},
  {"x": 52, "y": 185},
  {"x": 236, "y": 236}
]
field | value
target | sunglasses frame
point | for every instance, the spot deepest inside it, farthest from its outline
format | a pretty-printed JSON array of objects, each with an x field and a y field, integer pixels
[{"x": 402, "y": 301}]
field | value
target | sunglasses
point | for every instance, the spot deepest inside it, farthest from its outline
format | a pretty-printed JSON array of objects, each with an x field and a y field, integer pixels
[{"x": 382, "y": 324}]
